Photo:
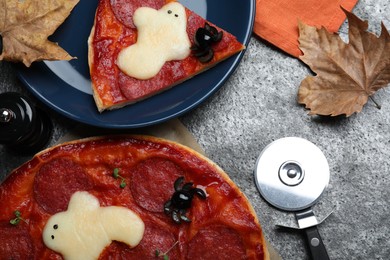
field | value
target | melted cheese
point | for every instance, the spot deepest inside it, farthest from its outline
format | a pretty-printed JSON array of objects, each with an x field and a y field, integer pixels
[
  {"x": 162, "y": 37},
  {"x": 85, "y": 229}
]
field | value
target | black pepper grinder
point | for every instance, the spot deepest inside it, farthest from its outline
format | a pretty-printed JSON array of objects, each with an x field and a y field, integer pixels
[
  {"x": 24, "y": 128},
  {"x": 1, "y": 44}
]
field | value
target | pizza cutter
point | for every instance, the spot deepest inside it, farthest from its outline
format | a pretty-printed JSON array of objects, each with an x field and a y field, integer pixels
[{"x": 291, "y": 174}]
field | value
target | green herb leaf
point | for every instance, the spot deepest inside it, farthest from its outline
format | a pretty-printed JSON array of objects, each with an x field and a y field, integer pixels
[
  {"x": 116, "y": 173},
  {"x": 123, "y": 184},
  {"x": 17, "y": 213},
  {"x": 157, "y": 253},
  {"x": 166, "y": 257},
  {"x": 14, "y": 221}
]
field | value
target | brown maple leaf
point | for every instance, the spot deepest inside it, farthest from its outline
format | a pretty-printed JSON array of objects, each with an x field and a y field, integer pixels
[
  {"x": 347, "y": 74},
  {"x": 25, "y": 26}
]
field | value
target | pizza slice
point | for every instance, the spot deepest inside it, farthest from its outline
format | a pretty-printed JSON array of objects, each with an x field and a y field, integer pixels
[{"x": 138, "y": 48}]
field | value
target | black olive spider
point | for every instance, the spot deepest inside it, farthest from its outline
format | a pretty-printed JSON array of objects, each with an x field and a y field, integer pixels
[
  {"x": 181, "y": 200},
  {"x": 204, "y": 38}
]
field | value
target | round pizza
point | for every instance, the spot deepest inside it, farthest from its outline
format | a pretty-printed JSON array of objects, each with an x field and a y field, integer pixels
[
  {"x": 138, "y": 48},
  {"x": 125, "y": 197}
]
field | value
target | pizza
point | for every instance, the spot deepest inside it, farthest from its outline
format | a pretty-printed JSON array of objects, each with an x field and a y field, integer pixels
[
  {"x": 138, "y": 48},
  {"x": 125, "y": 197}
]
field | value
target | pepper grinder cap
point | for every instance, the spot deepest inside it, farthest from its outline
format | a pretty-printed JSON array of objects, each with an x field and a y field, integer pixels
[{"x": 16, "y": 117}]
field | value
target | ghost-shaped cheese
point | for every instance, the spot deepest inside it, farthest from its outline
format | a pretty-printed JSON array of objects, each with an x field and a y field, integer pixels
[
  {"x": 85, "y": 228},
  {"x": 162, "y": 37}
]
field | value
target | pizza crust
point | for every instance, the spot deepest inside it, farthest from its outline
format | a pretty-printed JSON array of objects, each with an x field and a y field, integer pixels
[{"x": 98, "y": 101}]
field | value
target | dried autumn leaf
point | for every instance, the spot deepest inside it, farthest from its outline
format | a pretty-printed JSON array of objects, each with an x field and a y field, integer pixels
[
  {"x": 25, "y": 26},
  {"x": 347, "y": 74}
]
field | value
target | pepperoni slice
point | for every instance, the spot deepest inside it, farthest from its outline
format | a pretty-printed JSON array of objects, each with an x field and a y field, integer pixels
[
  {"x": 132, "y": 88},
  {"x": 124, "y": 9},
  {"x": 155, "y": 238},
  {"x": 15, "y": 242},
  {"x": 56, "y": 182},
  {"x": 152, "y": 183},
  {"x": 216, "y": 242}
]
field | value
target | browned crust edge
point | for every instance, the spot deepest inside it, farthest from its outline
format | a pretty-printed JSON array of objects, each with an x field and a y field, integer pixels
[{"x": 98, "y": 101}]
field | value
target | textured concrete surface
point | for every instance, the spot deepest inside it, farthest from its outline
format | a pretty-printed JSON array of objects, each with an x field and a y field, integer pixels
[{"x": 258, "y": 105}]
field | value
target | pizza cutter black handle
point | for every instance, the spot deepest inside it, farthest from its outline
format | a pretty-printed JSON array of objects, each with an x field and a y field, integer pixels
[{"x": 317, "y": 247}]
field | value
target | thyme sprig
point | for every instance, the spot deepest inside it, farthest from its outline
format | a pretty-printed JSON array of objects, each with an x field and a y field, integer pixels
[
  {"x": 165, "y": 255},
  {"x": 116, "y": 175},
  {"x": 18, "y": 217}
]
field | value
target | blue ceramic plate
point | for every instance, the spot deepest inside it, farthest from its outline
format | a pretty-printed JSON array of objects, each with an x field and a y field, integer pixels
[{"x": 65, "y": 86}]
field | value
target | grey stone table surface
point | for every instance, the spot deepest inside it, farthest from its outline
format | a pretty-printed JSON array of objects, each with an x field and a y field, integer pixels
[{"x": 257, "y": 105}]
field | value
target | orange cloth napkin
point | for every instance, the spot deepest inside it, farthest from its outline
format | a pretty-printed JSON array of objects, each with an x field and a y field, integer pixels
[{"x": 277, "y": 20}]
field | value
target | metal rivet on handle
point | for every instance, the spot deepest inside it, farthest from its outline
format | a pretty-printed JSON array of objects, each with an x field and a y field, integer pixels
[{"x": 315, "y": 242}]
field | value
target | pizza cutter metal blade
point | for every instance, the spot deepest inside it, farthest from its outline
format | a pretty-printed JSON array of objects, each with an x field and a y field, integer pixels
[{"x": 291, "y": 174}]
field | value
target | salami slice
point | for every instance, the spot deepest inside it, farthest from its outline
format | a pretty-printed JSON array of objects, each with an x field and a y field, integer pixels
[
  {"x": 155, "y": 238},
  {"x": 55, "y": 183},
  {"x": 152, "y": 183},
  {"x": 15, "y": 242},
  {"x": 216, "y": 242},
  {"x": 171, "y": 72},
  {"x": 124, "y": 9}
]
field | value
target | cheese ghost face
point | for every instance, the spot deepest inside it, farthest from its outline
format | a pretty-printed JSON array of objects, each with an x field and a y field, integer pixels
[
  {"x": 85, "y": 228},
  {"x": 162, "y": 37}
]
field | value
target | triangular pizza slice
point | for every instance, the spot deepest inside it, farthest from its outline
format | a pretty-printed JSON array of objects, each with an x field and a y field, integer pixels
[{"x": 138, "y": 48}]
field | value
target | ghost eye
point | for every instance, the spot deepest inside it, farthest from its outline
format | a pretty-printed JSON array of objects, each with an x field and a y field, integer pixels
[
  {"x": 55, "y": 226},
  {"x": 52, "y": 237},
  {"x": 169, "y": 11},
  {"x": 176, "y": 15}
]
